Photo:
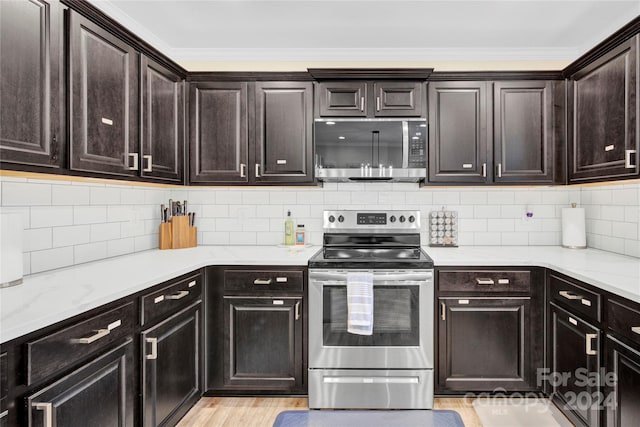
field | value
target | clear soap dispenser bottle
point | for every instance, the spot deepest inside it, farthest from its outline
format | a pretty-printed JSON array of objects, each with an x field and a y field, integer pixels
[{"x": 289, "y": 236}]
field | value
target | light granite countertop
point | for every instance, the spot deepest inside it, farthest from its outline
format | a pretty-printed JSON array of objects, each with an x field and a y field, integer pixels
[{"x": 46, "y": 298}]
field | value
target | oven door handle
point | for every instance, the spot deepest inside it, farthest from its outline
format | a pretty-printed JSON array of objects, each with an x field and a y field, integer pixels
[{"x": 341, "y": 276}]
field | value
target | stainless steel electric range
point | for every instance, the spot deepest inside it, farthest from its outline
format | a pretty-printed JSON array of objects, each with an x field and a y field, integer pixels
[{"x": 392, "y": 367}]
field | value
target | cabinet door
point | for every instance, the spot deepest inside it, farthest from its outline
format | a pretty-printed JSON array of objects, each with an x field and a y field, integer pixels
[
  {"x": 104, "y": 100},
  {"x": 604, "y": 140},
  {"x": 30, "y": 85},
  {"x": 458, "y": 131},
  {"x": 162, "y": 127},
  {"x": 218, "y": 140},
  {"x": 484, "y": 343},
  {"x": 342, "y": 99},
  {"x": 405, "y": 99},
  {"x": 575, "y": 366},
  {"x": 98, "y": 394},
  {"x": 523, "y": 131},
  {"x": 263, "y": 343},
  {"x": 622, "y": 385},
  {"x": 170, "y": 367},
  {"x": 283, "y": 138}
]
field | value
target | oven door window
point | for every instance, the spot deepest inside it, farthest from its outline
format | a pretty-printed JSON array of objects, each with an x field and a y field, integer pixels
[{"x": 395, "y": 317}]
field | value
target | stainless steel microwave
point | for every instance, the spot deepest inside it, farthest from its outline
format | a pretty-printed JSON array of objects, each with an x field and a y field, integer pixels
[{"x": 390, "y": 149}]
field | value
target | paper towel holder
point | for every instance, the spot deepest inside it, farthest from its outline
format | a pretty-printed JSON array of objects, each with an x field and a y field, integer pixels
[{"x": 575, "y": 238}]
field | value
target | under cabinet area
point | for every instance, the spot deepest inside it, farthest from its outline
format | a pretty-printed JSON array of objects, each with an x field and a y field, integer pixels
[
  {"x": 256, "y": 321},
  {"x": 489, "y": 329}
]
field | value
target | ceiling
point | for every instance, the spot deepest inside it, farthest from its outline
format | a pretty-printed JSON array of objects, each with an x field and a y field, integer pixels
[{"x": 381, "y": 31}]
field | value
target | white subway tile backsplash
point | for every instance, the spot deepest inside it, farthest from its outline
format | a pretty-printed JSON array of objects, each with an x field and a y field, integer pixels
[
  {"x": 106, "y": 231},
  {"x": 105, "y": 195},
  {"x": 227, "y": 197},
  {"x": 51, "y": 259},
  {"x": 51, "y": 216},
  {"x": 215, "y": 238},
  {"x": 25, "y": 194},
  {"x": 625, "y": 230},
  {"x": 282, "y": 198},
  {"x": 339, "y": 197},
  {"x": 612, "y": 213},
  {"x": 89, "y": 252},
  {"x": 242, "y": 238},
  {"x": 215, "y": 211},
  {"x": 501, "y": 197},
  {"x": 544, "y": 238},
  {"x": 72, "y": 235},
  {"x": 515, "y": 239},
  {"x": 120, "y": 247},
  {"x": 146, "y": 242},
  {"x": 37, "y": 239},
  {"x": 256, "y": 224},
  {"x": 269, "y": 238},
  {"x": 70, "y": 195},
  {"x": 89, "y": 214},
  {"x": 500, "y": 225},
  {"x": 473, "y": 198},
  {"x": 446, "y": 198},
  {"x": 471, "y": 225},
  {"x": 133, "y": 196},
  {"x": 487, "y": 211},
  {"x": 119, "y": 213},
  {"x": 310, "y": 197},
  {"x": 364, "y": 197},
  {"x": 26, "y": 263},
  {"x": 489, "y": 239}
]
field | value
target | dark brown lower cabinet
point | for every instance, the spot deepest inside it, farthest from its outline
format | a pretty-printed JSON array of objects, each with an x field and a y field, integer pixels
[
  {"x": 622, "y": 385},
  {"x": 101, "y": 393},
  {"x": 170, "y": 367},
  {"x": 484, "y": 344},
  {"x": 263, "y": 343},
  {"x": 574, "y": 362}
]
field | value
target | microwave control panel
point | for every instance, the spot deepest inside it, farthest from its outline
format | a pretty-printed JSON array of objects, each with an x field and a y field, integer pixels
[{"x": 417, "y": 145}]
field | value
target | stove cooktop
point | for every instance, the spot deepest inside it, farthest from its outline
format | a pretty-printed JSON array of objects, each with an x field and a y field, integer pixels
[{"x": 371, "y": 258}]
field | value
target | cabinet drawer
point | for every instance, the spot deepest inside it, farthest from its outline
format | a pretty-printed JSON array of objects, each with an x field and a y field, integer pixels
[
  {"x": 484, "y": 281},
  {"x": 263, "y": 280},
  {"x": 575, "y": 297},
  {"x": 156, "y": 305},
  {"x": 62, "y": 349},
  {"x": 624, "y": 319}
]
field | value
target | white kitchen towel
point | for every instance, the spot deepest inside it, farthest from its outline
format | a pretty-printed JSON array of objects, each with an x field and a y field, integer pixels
[{"x": 360, "y": 303}]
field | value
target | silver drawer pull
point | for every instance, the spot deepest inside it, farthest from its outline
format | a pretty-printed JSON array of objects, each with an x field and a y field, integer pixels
[
  {"x": 484, "y": 281},
  {"x": 586, "y": 302},
  {"x": 569, "y": 295},
  {"x": 635, "y": 329},
  {"x": 192, "y": 283},
  {"x": 154, "y": 348},
  {"x": 4, "y": 414},
  {"x": 133, "y": 163},
  {"x": 149, "y": 166},
  {"x": 282, "y": 279},
  {"x": 243, "y": 170},
  {"x": 177, "y": 295},
  {"x": 573, "y": 321},
  {"x": 262, "y": 281},
  {"x": 95, "y": 337},
  {"x": 463, "y": 301},
  {"x": 298, "y": 310},
  {"x": 158, "y": 299},
  {"x": 443, "y": 311},
  {"x": 362, "y": 103},
  {"x": 590, "y": 351},
  {"x": 47, "y": 413},
  {"x": 503, "y": 281}
]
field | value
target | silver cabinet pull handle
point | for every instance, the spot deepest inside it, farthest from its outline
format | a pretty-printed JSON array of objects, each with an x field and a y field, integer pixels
[
  {"x": 590, "y": 351},
  {"x": 443, "y": 311},
  {"x": 257, "y": 170},
  {"x": 569, "y": 295},
  {"x": 635, "y": 329},
  {"x": 627, "y": 159},
  {"x": 484, "y": 281},
  {"x": 362, "y": 103},
  {"x": 377, "y": 103},
  {"x": 499, "y": 170},
  {"x": 484, "y": 170},
  {"x": 47, "y": 412},
  {"x": 154, "y": 348},
  {"x": 298, "y": 310},
  {"x": 95, "y": 337},
  {"x": 149, "y": 166},
  {"x": 262, "y": 281},
  {"x": 282, "y": 279},
  {"x": 4, "y": 414},
  {"x": 243, "y": 170},
  {"x": 133, "y": 156},
  {"x": 177, "y": 295},
  {"x": 503, "y": 281}
]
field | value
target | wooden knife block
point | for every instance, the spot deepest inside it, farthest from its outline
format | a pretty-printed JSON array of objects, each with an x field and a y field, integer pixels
[{"x": 177, "y": 234}]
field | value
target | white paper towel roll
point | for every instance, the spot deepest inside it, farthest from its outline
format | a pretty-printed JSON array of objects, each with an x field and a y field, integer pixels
[
  {"x": 11, "y": 259},
  {"x": 573, "y": 228}
]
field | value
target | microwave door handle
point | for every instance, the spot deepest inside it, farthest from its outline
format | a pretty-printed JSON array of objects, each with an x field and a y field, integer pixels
[{"x": 405, "y": 144}]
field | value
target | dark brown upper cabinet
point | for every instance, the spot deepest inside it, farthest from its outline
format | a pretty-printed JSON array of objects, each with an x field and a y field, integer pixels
[
  {"x": 370, "y": 99},
  {"x": 104, "y": 101},
  {"x": 218, "y": 132},
  {"x": 283, "y": 132},
  {"x": 251, "y": 132},
  {"x": 32, "y": 84},
  {"x": 604, "y": 141},
  {"x": 458, "y": 132},
  {"x": 523, "y": 140},
  {"x": 162, "y": 127}
]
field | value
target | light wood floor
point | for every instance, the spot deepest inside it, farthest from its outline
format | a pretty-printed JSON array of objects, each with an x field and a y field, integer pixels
[{"x": 262, "y": 412}]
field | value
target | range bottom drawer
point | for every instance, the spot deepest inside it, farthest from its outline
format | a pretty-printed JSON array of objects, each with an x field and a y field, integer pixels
[{"x": 371, "y": 389}]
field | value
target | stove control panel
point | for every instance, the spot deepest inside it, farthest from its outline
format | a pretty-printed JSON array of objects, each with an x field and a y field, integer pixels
[{"x": 350, "y": 221}]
